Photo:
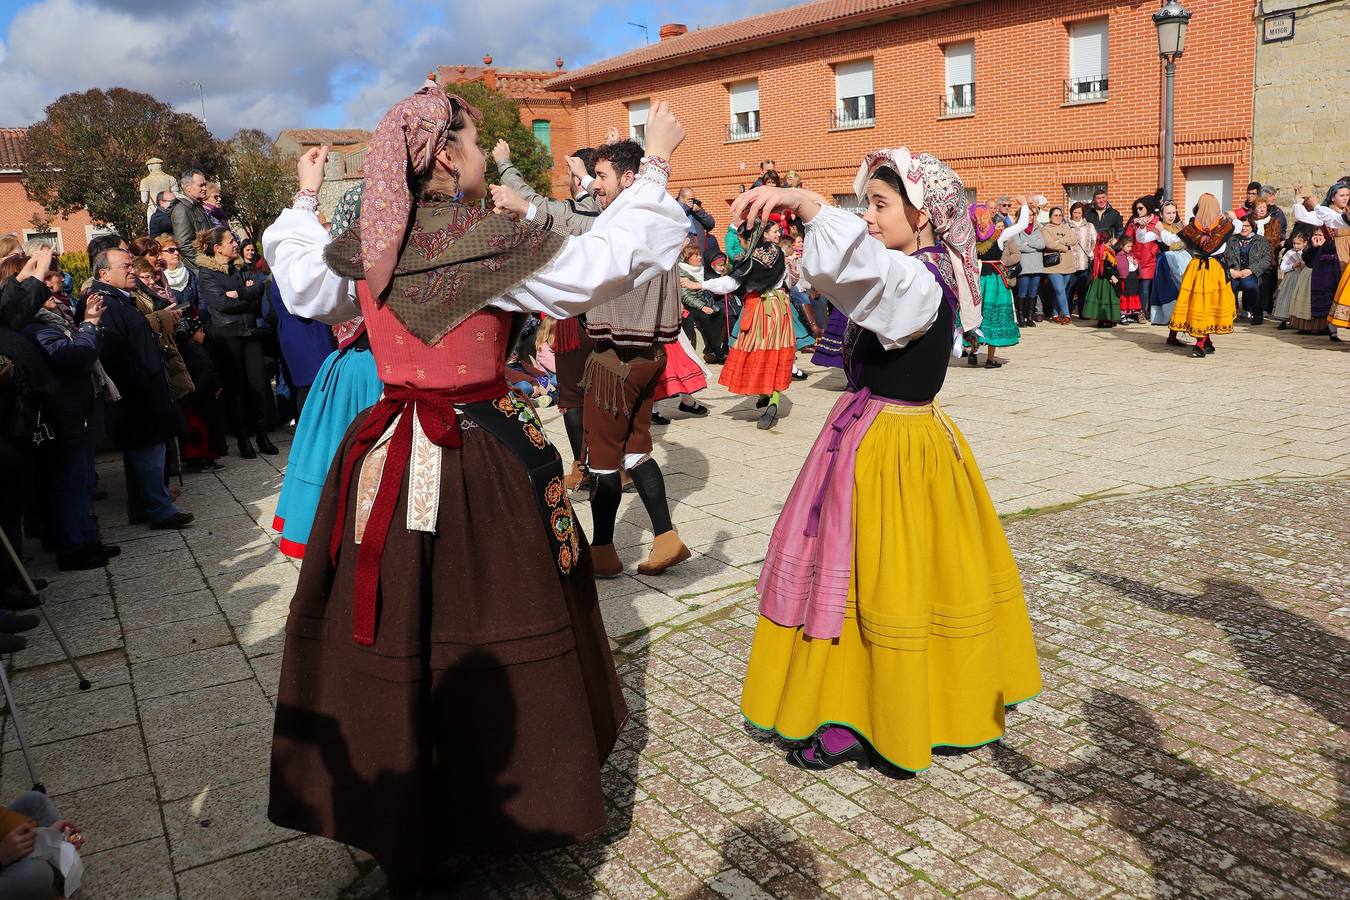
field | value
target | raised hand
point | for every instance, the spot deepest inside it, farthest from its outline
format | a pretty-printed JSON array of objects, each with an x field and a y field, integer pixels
[
  {"x": 39, "y": 264},
  {"x": 93, "y": 310},
  {"x": 507, "y": 202},
  {"x": 310, "y": 167},
  {"x": 501, "y": 154},
  {"x": 664, "y": 131},
  {"x": 759, "y": 203},
  {"x": 577, "y": 167}
]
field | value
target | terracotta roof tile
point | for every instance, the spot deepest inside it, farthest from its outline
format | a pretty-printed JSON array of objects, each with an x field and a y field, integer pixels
[
  {"x": 767, "y": 29},
  {"x": 330, "y": 136},
  {"x": 11, "y": 147}
]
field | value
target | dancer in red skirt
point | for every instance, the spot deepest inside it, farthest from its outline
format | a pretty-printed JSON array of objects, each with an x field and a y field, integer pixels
[{"x": 760, "y": 362}]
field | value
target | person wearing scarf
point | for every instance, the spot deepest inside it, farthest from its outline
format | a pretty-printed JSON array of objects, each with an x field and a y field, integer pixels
[
  {"x": 181, "y": 280},
  {"x": 1142, "y": 228},
  {"x": 892, "y": 617},
  {"x": 1247, "y": 258},
  {"x": 345, "y": 384},
  {"x": 1103, "y": 297},
  {"x": 444, "y": 649},
  {"x": 1205, "y": 304},
  {"x": 1000, "y": 320},
  {"x": 1171, "y": 266},
  {"x": 1330, "y": 285}
]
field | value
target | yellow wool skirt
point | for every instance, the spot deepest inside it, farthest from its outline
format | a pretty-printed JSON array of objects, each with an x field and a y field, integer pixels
[
  {"x": 1205, "y": 303},
  {"x": 936, "y": 638},
  {"x": 1340, "y": 306}
]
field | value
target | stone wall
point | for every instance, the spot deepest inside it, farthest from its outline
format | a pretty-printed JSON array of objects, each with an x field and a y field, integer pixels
[{"x": 1298, "y": 131}]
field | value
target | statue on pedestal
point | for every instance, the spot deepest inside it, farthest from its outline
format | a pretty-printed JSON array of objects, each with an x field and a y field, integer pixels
[{"x": 154, "y": 183}]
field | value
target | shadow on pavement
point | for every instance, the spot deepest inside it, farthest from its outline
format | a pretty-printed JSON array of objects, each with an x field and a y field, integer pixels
[{"x": 1192, "y": 827}]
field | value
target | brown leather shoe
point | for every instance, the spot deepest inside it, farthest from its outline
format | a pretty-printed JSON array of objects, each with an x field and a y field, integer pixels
[
  {"x": 605, "y": 561},
  {"x": 667, "y": 550}
]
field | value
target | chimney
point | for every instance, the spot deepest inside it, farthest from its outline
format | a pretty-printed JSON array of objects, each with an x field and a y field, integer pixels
[{"x": 673, "y": 30}]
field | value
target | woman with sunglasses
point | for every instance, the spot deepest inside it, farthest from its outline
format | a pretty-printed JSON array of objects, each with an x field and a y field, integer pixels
[
  {"x": 1143, "y": 228},
  {"x": 180, "y": 278}
]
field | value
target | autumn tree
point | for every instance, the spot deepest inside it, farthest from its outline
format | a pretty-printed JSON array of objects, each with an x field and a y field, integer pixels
[
  {"x": 501, "y": 121},
  {"x": 259, "y": 182},
  {"x": 89, "y": 153}
]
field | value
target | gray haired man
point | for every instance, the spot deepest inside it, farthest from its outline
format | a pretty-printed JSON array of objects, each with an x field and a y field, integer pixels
[{"x": 188, "y": 217}]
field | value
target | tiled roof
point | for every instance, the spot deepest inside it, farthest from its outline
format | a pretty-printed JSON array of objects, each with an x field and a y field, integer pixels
[
  {"x": 11, "y": 147},
  {"x": 330, "y": 136},
  {"x": 511, "y": 82},
  {"x": 767, "y": 29}
]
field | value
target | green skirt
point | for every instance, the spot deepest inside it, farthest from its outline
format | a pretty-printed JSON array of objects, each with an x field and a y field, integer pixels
[
  {"x": 1000, "y": 323},
  {"x": 1102, "y": 302}
]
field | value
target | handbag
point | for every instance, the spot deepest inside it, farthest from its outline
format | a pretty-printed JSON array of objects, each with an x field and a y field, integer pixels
[{"x": 1051, "y": 259}]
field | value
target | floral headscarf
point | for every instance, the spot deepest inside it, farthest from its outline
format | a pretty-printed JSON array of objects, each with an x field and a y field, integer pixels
[
  {"x": 986, "y": 226},
  {"x": 932, "y": 186},
  {"x": 403, "y": 148}
]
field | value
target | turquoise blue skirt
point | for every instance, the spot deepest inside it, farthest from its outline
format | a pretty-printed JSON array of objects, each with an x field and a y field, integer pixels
[{"x": 346, "y": 384}]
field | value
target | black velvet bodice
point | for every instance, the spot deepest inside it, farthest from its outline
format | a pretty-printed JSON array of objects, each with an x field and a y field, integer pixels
[{"x": 915, "y": 372}]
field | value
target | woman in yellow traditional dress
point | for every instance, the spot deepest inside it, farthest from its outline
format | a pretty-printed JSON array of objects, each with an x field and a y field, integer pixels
[
  {"x": 892, "y": 618},
  {"x": 1205, "y": 303}
]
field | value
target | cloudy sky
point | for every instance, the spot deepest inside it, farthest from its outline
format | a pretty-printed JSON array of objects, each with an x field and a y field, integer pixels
[{"x": 274, "y": 64}]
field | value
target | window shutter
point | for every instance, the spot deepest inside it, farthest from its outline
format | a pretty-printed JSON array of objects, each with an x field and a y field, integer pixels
[
  {"x": 961, "y": 63},
  {"x": 745, "y": 96},
  {"x": 853, "y": 79},
  {"x": 637, "y": 113},
  {"x": 1087, "y": 50},
  {"x": 543, "y": 133}
]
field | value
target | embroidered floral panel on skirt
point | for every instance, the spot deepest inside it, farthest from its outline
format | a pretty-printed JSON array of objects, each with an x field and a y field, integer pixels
[
  {"x": 1000, "y": 322},
  {"x": 760, "y": 362},
  {"x": 345, "y": 384},
  {"x": 482, "y": 714},
  {"x": 936, "y": 639},
  {"x": 1205, "y": 303}
]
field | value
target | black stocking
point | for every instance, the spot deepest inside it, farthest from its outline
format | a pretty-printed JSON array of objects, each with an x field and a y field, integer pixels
[
  {"x": 605, "y": 507},
  {"x": 651, "y": 487},
  {"x": 572, "y": 422}
]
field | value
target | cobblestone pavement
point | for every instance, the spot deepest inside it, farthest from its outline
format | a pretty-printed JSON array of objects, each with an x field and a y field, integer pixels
[{"x": 1191, "y": 739}]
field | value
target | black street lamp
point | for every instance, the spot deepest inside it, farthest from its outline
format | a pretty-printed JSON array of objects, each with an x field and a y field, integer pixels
[{"x": 1171, "y": 22}]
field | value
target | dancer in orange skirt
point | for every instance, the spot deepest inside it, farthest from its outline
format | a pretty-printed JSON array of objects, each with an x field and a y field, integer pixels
[{"x": 760, "y": 362}]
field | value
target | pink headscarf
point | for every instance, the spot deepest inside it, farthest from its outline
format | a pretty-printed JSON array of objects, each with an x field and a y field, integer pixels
[
  {"x": 403, "y": 148},
  {"x": 932, "y": 186}
]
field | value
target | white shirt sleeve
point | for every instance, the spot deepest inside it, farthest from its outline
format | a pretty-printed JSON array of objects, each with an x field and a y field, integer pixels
[
  {"x": 1307, "y": 216},
  {"x": 1145, "y": 235},
  {"x": 637, "y": 238},
  {"x": 1289, "y": 260},
  {"x": 293, "y": 245},
  {"x": 1329, "y": 217},
  {"x": 893, "y": 295},
  {"x": 1023, "y": 217},
  {"x": 1168, "y": 238},
  {"x": 722, "y": 284}
]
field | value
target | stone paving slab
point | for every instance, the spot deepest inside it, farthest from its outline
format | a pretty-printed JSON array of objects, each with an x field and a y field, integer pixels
[{"x": 1191, "y": 739}]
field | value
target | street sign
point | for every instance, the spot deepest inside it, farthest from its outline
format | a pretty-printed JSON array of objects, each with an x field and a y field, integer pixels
[{"x": 1277, "y": 27}]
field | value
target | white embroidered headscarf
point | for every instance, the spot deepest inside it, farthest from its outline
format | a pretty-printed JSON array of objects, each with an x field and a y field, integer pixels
[{"x": 932, "y": 186}]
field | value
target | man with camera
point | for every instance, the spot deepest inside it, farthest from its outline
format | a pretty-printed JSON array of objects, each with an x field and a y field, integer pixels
[{"x": 701, "y": 225}]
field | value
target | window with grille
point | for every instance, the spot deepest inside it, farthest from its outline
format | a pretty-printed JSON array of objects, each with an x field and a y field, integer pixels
[
  {"x": 51, "y": 238},
  {"x": 637, "y": 120},
  {"x": 959, "y": 99},
  {"x": 744, "y": 125},
  {"x": 1081, "y": 193},
  {"x": 1088, "y": 59},
  {"x": 850, "y": 203},
  {"x": 855, "y": 95}
]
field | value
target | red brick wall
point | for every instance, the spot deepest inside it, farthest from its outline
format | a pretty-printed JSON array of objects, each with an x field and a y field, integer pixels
[
  {"x": 1022, "y": 139},
  {"x": 562, "y": 135},
  {"x": 16, "y": 212}
]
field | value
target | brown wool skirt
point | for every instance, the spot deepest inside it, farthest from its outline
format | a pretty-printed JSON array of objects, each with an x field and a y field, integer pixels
[{"x": 480, "y": 718}]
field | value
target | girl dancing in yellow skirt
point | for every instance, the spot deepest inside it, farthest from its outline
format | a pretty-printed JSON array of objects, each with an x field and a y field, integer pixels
[
  {"x": 892, "y": 618},
  {"x": 1205, "y": 304}
]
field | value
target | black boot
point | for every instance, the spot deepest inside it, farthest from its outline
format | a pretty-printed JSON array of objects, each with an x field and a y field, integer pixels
[
  {"x": 246, "y": 449},
  {"x": 265, "y": 444}
]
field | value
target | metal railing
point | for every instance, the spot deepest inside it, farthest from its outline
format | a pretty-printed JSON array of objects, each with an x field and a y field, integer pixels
[
  {"x": 738, "y": 132},
  {"x": 958, "y": 101},
  {"x": 841, "y": 119},
  {"x": 1086, "y": 89}
]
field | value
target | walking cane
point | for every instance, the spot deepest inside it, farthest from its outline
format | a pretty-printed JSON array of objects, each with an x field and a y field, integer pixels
[{"x": 41, "y": 608}]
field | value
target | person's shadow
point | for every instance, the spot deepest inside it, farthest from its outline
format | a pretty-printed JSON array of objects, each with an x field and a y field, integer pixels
[
  {"x": 1283, "y": 651},
  {"x": 763, "y": 851},
  {"x": 1196, "y": 829}
]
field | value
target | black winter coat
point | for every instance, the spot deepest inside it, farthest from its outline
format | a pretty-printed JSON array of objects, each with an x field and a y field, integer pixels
[
  {"x": 75, "y": 405},
  {"x": 132, "y": 359},
  {"x": 230, "y": 316}
]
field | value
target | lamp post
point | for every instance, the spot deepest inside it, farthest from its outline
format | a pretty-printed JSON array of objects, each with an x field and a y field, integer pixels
[{"x": 1171, "y": 22}]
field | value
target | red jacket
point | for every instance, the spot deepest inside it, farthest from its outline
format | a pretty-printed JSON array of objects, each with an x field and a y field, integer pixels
[{"x": 1145, "y": 253}]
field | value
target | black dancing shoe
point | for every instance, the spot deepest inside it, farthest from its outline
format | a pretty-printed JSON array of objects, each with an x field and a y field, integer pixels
[
  {"x": 762, "y": 402},
  {"x": 698, "y": 409},
  {"x": 768, "y": 417},
  {"x": 658, "y": 418},
  {"x": 1197, "y": 351},
  {"x": 856, "y": 752}
]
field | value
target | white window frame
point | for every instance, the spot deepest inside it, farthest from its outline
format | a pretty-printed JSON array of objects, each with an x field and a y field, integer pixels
[
  {"x": 1082, "y": 192},
  {"x": 60, "y": 242},
  {"x": 93, "y": 231},
  {"x": 1089, "y": 61},
  {"x": 959, "y": 79},
  {"x": 638, "y": 111},
  {"x": 850, "y": 203},
  {"x": 855, "y": 97},
  {"x": 743, "y": 101}
]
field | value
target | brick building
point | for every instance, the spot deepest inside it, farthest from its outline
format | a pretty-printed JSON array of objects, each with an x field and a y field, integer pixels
[
  {"x": 1018, "y": 96},
  {"x": 545, "y": 111},
  {"x": 23, "y": 217}
]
